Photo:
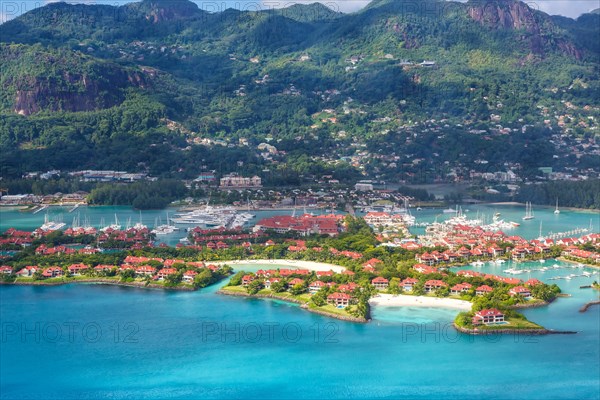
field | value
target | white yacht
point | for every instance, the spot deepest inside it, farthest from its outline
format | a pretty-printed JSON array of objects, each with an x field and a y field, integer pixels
[{"x": 52, "y": 225}]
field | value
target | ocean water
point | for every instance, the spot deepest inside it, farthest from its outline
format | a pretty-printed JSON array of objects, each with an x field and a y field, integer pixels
[{"x": 95, "y": 341}]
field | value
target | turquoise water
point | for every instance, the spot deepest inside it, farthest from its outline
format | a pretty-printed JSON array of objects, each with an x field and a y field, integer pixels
[
  {"x": 155, "y": 344},
  {"x": 94, "y": 341}
]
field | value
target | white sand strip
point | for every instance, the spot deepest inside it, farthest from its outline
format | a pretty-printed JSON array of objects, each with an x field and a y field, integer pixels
[
  {"x": 390, "y": 300},
  {"x": 299, "y": 264}
]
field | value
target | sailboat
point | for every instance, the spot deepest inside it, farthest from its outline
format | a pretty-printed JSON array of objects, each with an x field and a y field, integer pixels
[
  {"x": 556, "y": 210},
  {"x": 114, "y": 227},
  {"x": 140, "y": 225},
  {"x": 528, "y": 212}
]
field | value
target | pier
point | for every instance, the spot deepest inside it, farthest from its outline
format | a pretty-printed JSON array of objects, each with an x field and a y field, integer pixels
[
  {"x": 37, "y": 210},
  {"x": 561, "y": 235},
  {"x": 588, "y": 305}
]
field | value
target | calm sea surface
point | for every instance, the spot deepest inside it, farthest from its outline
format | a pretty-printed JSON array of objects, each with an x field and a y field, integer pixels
[{"x": 93, "y": 341}]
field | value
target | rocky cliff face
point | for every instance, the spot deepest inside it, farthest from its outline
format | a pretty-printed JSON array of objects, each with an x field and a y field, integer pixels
[
  {"x": 73, "y": 92},
  {"x": 516, "y": 15},
  {"x": 158, "y": 11}
]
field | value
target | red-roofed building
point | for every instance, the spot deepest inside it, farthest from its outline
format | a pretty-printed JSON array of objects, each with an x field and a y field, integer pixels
[
  {"x": 434, "y": 284},
  {"x": 104, "y": 268},
  {"x": 6, "y": 270},
  {"x": 165, "y": 272},
  {"x": 483, "y": 289},
  {"x": 324, "y": 273},
  {"x": 425, "y": 269},
  {"x": 533, "y": 282},
  {"x": 315, "y": 286},
  {"x": 270, "y": 281},
  {"x": 145, "y": 270},
  {"x": 247, "y": 279},
  {"x": 488, "y": 317},
  {"x": 52, "y": 272},
  {"x": 348, "y": 287},
  {"x": 28, "y": 270},
  {"x": 461, "y": 288},
  {"x": 77, "y": 269},
  {"x": 340, "y": 300},
  {"x": 523, "y": 291},
  {"x": 295, "y": 281},
  {"x": 408, "y": 284},
  {"x": 189, "y": 276},
  {"x": 380, "y": 283},
  {"x": 373, "y": 262}
]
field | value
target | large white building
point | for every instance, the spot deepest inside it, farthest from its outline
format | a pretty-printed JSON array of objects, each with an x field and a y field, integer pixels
[{"x": 236, "y": 181}]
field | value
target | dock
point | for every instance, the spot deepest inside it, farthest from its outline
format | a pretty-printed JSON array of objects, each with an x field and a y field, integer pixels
[
  {"x": 37, "y": 210},
  {"x": 588, "y": 305}
]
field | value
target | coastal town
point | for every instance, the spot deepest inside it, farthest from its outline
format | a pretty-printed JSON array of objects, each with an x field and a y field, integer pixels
[{"x": 333, "y": 275}]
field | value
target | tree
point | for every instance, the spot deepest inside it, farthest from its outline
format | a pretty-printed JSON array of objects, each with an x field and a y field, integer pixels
[
  {"x": 236, "y": 279},
  {"x": 298, "y": 289},
  {"x": 254, "y": 287},
  {"x": 320, "y": 298},
  {"x": 278, "y": 287}
]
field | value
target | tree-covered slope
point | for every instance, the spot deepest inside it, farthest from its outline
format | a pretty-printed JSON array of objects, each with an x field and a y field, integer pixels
[{"x": 305, "y": 74}]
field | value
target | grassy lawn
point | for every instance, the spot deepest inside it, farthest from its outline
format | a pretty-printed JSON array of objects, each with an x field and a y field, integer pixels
[
  {"x": 513, "y": 323},
  {"x": 331, "y": 309},
  {"x": 235, "y": 289}
]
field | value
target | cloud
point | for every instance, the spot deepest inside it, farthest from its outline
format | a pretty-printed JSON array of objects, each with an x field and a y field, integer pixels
[{"x": 568, "y": 8}]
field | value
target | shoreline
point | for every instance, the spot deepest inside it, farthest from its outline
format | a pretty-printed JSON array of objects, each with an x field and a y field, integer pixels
[
  {"x": 530, "y": 332},
  {"x": 402, "y": 300},
  {"x": 100, "y": 281},
  {"x": 303, "y": 305},
  {"x": 563, "y": 259}
]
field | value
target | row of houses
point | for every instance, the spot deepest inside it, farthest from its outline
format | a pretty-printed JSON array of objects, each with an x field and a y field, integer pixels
[{"x": 305, "y": 224}]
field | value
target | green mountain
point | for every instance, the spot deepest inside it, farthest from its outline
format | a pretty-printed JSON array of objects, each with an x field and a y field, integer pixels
[{"x": 165, "y": 72}]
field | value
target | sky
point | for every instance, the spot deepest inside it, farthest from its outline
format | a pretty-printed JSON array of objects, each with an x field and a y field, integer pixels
[{"x": 570, "y": 8}]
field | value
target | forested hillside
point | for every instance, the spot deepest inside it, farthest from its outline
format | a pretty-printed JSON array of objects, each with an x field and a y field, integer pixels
[{"x": 161, "y": 85}]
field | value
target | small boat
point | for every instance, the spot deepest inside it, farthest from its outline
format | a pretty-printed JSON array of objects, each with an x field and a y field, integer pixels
[{"x": 556, "y": 210}]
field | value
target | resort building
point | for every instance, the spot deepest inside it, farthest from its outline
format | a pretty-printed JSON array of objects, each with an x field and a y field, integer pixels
[
  {"x": 234, "y": 181},
  {"x": 341, "y": 300},
  {"x": 145, "y": 270},
  {"x": 488, "y": 317},
  {"x": 460, "y": 288},
  {"x": 433, "y": 285},
  {"x": 189, "y": 276},
  {"x": 408, "y": 284},
  {"x": 315, "y": 286},
  {"x": 165, "y": 272},
  {"x": 483, "y": 290},
  {"x": 380, "y": 283},
  {"x": 246, "y": 279},
  {"x": 77, "y": 269},
  {"x": 523, "y": 291},
  {"x": 28, "y": 271},
  {"x": 5, "y": 269},
  {"x": 52, "y": 272},
  {"x": 270, "y": 281}
]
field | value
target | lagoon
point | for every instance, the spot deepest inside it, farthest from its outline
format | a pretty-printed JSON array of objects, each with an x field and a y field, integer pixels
[{"x": 132, "y": 343}]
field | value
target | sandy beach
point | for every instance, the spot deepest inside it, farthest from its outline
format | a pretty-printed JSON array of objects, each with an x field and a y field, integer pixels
[
  {"x": 310, "y": 265},
  {"x": 390, "y": 300}
]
